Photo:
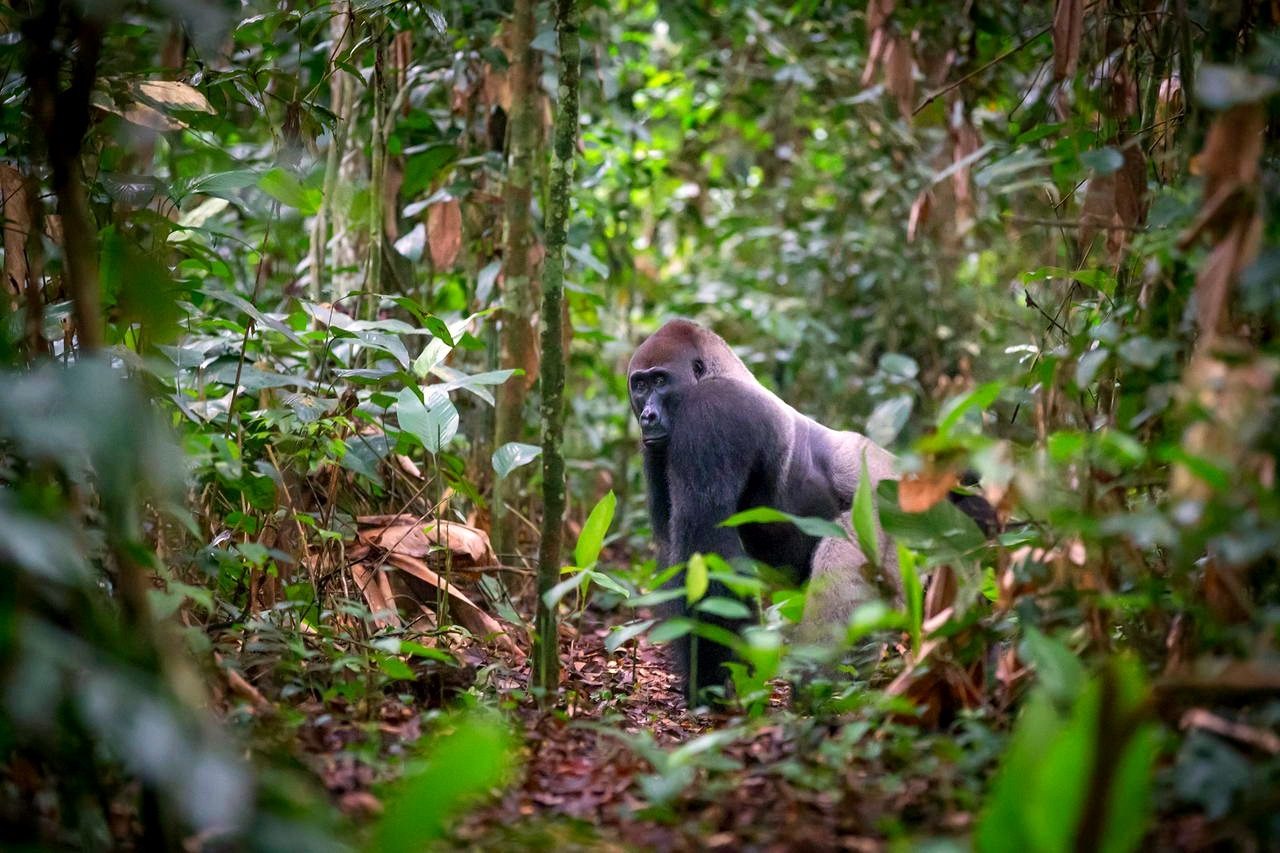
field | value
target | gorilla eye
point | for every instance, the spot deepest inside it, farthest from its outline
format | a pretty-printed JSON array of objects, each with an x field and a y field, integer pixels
[
  {"x": 659, "y": 380},
  {"x": 699, "y": 367}
]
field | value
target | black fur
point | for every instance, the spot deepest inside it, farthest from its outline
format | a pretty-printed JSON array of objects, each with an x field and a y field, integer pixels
[{"x": 716, "y": 443}]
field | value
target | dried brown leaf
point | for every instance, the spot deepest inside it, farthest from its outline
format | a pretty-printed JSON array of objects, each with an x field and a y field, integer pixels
[
  {"x": 918, "y": 492},
  {"x": 444, "y": 232},
  {"x": 917, "y": 219},
  {"x": 1229, "y": 257},
  {"x": 1068, "y": 28},
  {"x": 376, "y": 588},
  {"x": 408, "y": 534},
  {"x": 172, "y": 95},
  {"x": 1232, "y": 149},
  {"x": 468, "y": 614},
  {"x": 878, "y": 12},
  {"x": 880, "y": 40},
  {"x": 899, "y": 76}
]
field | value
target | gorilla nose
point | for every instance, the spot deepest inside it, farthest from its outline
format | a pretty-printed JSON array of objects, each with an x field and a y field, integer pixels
[{"x": 648, "y": 418}]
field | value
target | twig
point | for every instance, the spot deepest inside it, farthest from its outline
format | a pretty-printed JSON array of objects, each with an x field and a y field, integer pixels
[
  {"x": 975, "y": 72},
  {"x": 1055, "y": 223},
  {"x": 1001, "y": 58}
]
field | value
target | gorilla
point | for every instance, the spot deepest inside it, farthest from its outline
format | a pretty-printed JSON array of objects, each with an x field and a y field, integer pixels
[{"x": 717, "y": 442}]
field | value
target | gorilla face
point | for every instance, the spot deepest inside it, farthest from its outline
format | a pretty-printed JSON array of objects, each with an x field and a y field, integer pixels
[{"x": 653, "y": 398}]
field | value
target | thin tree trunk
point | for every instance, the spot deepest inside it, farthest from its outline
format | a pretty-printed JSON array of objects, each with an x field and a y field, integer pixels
[
  {"x": 546, "y": 663},
  {"x": 340, "y": 97},
  {"x": 518, "y": 293},
  {"x": 62, "y": 117},
  {"x": 377, "y": 176}
]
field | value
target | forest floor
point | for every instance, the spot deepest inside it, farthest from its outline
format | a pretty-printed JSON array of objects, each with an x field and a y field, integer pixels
[{"x": 607, "y": 770}]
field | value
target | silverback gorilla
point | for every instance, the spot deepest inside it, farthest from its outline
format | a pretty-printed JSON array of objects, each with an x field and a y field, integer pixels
[{"x": 717, "y": 442}]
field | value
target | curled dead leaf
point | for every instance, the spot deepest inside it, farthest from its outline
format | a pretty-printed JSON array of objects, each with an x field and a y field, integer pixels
[
  {"x": 918, "y": 492},
  {"x": 172, "y": 95},
  {"x": 468, "y": 547},
  {"x": 899, "y": 76},
  {"x": 919, "y": 215},
  {"x": 1068, "y": 28},
  {"x": 444, "y": 232}
]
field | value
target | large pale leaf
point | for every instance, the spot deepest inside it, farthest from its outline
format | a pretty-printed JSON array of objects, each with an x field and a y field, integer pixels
[
  {"x": 512, "y": 455},
  {"x": 432, "y": 420}
]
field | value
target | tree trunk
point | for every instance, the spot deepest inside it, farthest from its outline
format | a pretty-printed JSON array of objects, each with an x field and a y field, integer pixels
[
  {"x": 546, "y": 663},
  {"x": 518, "y": 292},
  {"x": 62, "y": 117},
  {"x": 341, "y": 90}
]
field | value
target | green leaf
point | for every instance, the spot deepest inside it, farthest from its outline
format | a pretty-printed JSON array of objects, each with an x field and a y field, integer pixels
[
  {"x": 409, "y": 647},
  {"x": 288, "y": 190},
  {"x": 1102, "y": 161},
  {"x": 512, "y": 455},
  {"x": 462, "y": 766},
  {"x": 621, "y": 634},
  {"x": 224, "y": 184},
  {"x": 1089, "y": 364},
  {"x": 813, "y": 526},
  {"x": 864, "y": 516},
  {"x": 888, "y": 418},
  {"x": 1221, "y": 87},
  {"x": 912, "y": 595},
  {"x": 395, "y": 668},
  {"x": 553, "y": 596},
  {"x": 591, "y": 539},
  {"x": 695, "y": 578},
  {"x": 670, "y": 630},
  {"x": 942, "y": 533},
  {"x": 432, "y": 420},
  {"x": 606, "y": 582},
  {"x": 421, "y": 167},
  {"x": 727, "y": 608},
  {"x": 976, "y": 400},
  {"x": 1060, "y": 672}
]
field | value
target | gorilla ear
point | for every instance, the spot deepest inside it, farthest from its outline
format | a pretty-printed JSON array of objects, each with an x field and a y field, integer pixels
[{"x": 699, "y": 368}]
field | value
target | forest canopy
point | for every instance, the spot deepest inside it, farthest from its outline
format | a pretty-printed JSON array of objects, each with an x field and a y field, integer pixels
[{"x": 324, "y": 521}]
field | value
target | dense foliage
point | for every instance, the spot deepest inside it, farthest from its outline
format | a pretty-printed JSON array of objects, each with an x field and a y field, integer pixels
[{"x": 260, "y": 294}]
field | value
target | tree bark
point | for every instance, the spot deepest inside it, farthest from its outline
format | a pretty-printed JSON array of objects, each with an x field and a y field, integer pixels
[
  {"x": 546, "y": 663},
  {"x": 62, "y": 118},
  {"x": 518, "y": 292}
]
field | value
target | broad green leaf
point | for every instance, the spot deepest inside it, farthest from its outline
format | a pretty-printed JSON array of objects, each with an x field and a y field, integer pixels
[
  {"x": 864, "y": 516},
  {"x": 1060, "y": 672},
  {"x": 727, "y": 608},
  {"x": 1089, "y": 364},
  {"x": 621, "y": 634},
  {"x": 432, "y": 420},
  {"x": 553, "y": 596},
  {"x": 512, "y": 455},
  {"x": 888, "y": 418},
  {"x": 670, "y": 630},
  {"x": 461, "y": 766},
  {"x": 604, "y": 581},
  {"x": 395, "y": 668},
  {"x": 820, "y": 527},
  {"x": 591, "y": 539},
  {"x": 1102, "y": 161},
  {"x": 1221, "y": 87},
  {"x": 224, "y": 184},
  {"x": 289, "y": 191},
  {"x": 942, "y": 533},
  {"x": 695, "y": 578},
  {"x": 976, "y": 400}
]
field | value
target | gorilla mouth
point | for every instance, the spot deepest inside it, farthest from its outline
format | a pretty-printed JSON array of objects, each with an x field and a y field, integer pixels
[{"x": 655, "y": 440}]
